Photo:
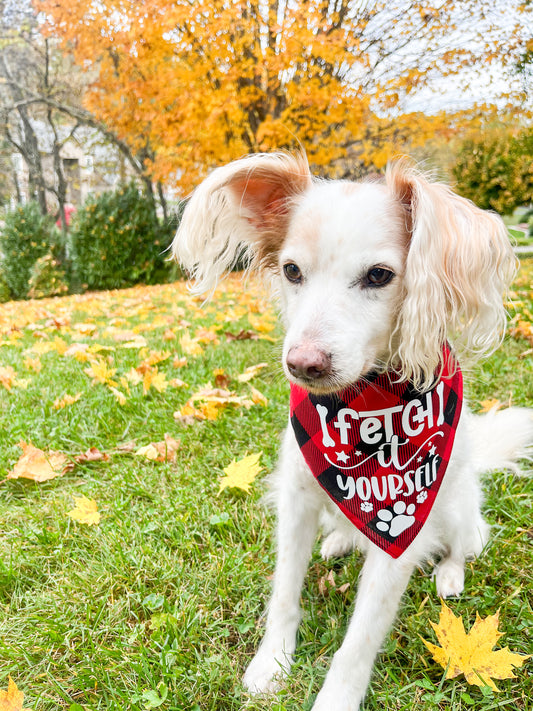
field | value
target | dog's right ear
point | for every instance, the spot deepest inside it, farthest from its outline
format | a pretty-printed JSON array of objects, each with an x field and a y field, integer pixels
[{"x": 242, "y": 206}]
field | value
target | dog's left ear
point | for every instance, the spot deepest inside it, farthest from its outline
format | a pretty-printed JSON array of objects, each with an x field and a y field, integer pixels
[{"x": 459, "y": 266}]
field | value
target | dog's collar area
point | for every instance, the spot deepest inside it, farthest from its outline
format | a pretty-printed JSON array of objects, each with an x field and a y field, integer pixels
[{"x": 380, "y": 449}]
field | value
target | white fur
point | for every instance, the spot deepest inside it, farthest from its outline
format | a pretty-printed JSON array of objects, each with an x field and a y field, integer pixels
[{"x": 452, "y": 264}]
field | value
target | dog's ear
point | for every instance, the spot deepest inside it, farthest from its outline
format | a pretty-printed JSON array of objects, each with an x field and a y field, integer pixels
[
  {"x": 459, "y": 266},
  {"x": 243, "y": 206}
]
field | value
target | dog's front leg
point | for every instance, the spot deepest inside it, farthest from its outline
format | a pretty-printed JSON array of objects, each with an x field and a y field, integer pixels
[
  {"x": 383, "y": 581},
  {"x": 296, "y": 532}
]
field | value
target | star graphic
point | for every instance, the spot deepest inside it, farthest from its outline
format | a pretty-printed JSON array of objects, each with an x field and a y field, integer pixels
[
  {"x": 342, "y": 457},
  {"x": 420, "y": 459},
  {"x": 433, "y": 450},
  {"x": 357, "y": 453}
]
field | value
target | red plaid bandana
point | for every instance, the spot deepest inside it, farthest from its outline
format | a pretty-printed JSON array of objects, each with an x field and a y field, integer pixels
[{"x": 380, "y": 449}]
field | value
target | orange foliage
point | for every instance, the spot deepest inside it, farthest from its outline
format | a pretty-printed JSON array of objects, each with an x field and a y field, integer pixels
[{"x": 192, "y": 84}]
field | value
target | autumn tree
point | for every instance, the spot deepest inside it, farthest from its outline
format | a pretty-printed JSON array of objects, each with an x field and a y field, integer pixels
[{"x": 191, "y": 84}]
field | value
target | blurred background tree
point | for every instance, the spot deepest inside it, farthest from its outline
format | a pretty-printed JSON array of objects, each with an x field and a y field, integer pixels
[{"x": 191, "y": 85}]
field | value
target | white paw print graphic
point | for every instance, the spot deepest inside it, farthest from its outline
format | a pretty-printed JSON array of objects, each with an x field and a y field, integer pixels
[
  {"x": 422, "y": 496},
  {"x": 397, "y": 522},
  {"x": 367, "y": 506}
]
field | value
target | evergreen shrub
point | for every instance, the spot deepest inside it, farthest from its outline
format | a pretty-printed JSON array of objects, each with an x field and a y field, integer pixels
[
  {"x": 25, "y": 236},
  {"x": 48, "y": 278},
  {"x": 116, "y": 240}
]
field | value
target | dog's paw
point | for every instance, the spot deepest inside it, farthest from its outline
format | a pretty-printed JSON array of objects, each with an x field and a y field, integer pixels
[
  {"x": 336, "y": 545},
  {"x": 449, "y": 578},
  {"x": 264, "y": 674},
  {"x": 336, "y": 699}
]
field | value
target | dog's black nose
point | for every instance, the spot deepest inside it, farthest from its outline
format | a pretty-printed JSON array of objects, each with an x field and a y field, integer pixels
[{"x": 308, "y": 362}]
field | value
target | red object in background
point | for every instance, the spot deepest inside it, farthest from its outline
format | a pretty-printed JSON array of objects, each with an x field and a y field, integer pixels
[{"x": 69, "y": 211}]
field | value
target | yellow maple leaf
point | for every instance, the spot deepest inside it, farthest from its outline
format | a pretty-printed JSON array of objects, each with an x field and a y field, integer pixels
[
  {"x": 85, "y": 511},
  {"x": 38, "y": 465},
  {"x": 11, "y": 700},
  {"x": 188, "y": 413},
  {"x": 152, "y": 378},
  {"x": 190, "y": 346},
  {"x": 264, "y": 323},
  {"x": 242, "y": 473},
  {"x": 100, "y": 372},
  {"x": 471, "y": 653}
]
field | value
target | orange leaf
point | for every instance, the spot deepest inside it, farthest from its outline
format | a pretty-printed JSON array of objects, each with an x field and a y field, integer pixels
[
  {"x": 92, "y": 455},
  {"x": 11, "y": 700},
  {"x": 38, "y": 465}
]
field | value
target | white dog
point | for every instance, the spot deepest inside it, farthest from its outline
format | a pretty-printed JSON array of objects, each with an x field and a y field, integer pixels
[{"x": 375, "y": 280}]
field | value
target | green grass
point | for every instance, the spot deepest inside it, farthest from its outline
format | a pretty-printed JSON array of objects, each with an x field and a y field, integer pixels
[{"x": 159, "y": 606}]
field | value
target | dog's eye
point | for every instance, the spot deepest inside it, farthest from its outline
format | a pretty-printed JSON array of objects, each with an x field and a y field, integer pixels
[
  {"x": 292, "y": 272},
  {"x": 378, "y": 276}
]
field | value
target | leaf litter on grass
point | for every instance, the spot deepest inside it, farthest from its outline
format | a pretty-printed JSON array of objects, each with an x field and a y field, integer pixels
[{"x": 141, "y": 316}]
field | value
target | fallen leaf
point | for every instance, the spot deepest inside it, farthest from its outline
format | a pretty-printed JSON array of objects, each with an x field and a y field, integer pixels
[
  {"x": 85, "y": 329},
  {"x": 207, "y": 335},
  {"x": 177, "y": 383},
  {"x": 257, "y": 397},
  {"x": 251, "y": 372},
  {"x": 79, "y": 351},
  {"x": 60, "y": 403},
  {"x": 11, "y": 700},
  {"x": 122, "y": 399},
  {"x": 164, "y": 451},
  {"x": 42, "y": 348},
  {"x": 93, "y": 454},
  {"x": 488, "y": 405},
  {"x": 471, "y": 653},
  {"x": 221, "y": 378},
  {"x": 38, "y": 465},
  {"x": 85, "y": 511},
  {"x": 179, "y": 362},
  {"x": 242, "y": 473},
  {"x": 188, "y": 414},
  {"x": 100, "y": 372},
  {"x": 7, "y": 376},
  {"x": 133, "y": 376},
  {"x": 261, "y": 322},
  {"x": 33, "y": 364},
  {"x": 154, "y": 379},
  {"x": 242, "y": 336},
  {"x": 127, "y": 447},
  {"x": 137, "y": 342},
  {"x": 154, "y": 357},
  {"x": 190, "y": 346}
]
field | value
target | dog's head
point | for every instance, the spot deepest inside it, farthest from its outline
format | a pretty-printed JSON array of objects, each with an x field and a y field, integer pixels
[{"x": 370, "y": 275}]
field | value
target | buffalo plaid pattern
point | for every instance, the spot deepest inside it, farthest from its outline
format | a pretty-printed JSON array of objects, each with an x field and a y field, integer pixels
[{"x": 380, "y": 449}]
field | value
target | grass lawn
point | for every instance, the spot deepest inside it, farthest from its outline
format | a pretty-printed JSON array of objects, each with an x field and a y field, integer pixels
[{"x": 159, "y": 604}]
